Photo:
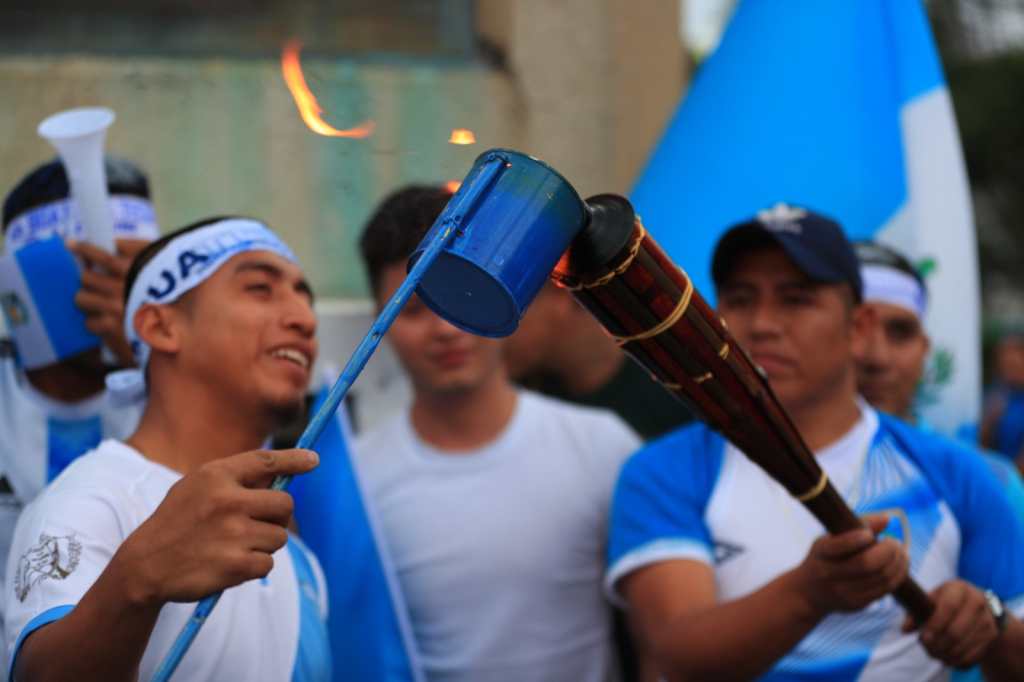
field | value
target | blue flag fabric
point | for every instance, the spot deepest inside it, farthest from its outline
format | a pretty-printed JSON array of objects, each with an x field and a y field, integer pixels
[
  {"x": 370, "y": 637},
  {"x": 841, "y": 107}
]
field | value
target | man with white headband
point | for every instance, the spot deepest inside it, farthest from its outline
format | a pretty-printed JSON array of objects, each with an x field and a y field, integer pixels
[
  {"x": 891, "y": 364},
  {"x": 106, "y": 561},
  {"x": 53, "y": 406}
]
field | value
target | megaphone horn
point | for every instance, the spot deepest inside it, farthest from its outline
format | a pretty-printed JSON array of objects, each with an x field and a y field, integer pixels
[{"x": 78, "y": 135}]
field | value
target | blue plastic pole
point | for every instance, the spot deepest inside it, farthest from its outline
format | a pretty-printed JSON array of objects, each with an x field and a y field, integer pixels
[{"x": 355, "y": 365}]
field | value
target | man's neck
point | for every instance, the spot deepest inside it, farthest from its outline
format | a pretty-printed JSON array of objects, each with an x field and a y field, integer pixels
[
  {"x": 183, "y": 431},
  {"x": 459, "y": 422},
  {"x": 66, "y": 382},
  {"x": 823, "y": 421}
]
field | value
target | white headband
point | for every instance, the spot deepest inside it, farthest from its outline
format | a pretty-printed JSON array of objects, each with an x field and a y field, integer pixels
[
  {"x": 183, "y": 264},
  {"x": 134, "y": 218},
  {"x": 890, "y": 285}
]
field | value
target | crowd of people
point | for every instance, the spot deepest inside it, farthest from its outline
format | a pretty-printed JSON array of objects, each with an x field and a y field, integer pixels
[{"x": 551, "y": 512}]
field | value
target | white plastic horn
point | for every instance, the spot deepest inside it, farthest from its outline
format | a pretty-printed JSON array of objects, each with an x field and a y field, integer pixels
[{"x": 78, "y": 135}]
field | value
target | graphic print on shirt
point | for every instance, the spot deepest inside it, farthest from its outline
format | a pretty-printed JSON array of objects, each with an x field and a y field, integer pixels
[
  {"x": 724, "y": 551},
  {"x": 53, "y": 557},
  {"x": 841, "y": 645}
]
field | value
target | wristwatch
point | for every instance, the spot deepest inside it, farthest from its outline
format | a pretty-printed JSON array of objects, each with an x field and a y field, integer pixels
[{"x": 995, "y": 605}]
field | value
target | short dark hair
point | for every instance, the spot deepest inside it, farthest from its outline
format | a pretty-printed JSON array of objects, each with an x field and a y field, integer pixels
[
  {"x": 49, "y": 182},
  {"x": 398, "y": 225},
  {"x": 150, "y": 251},
  {"x": 874, "y": 253}
]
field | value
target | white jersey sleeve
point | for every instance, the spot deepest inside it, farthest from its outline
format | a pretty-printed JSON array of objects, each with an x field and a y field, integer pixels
[{"x": 62, "y": 543}]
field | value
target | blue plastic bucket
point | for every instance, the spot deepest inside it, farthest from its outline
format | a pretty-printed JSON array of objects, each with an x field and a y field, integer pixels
[{"x": 513, "y": 218}]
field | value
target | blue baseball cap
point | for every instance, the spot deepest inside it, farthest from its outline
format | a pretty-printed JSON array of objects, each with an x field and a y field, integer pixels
[{"x": 814, "y": 242}]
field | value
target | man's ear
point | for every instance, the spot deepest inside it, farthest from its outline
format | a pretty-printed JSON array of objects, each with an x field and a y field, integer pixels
[{"x": 159, "y": 327}]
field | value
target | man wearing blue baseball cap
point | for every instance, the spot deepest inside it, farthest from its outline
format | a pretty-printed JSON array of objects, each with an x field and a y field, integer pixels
[
  {"x": 727, "y": 577},
  {"x": 105, "y": 560}
]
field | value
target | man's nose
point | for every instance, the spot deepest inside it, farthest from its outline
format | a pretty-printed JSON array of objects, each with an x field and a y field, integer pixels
[
  {"x": 765, "y": 320},
  {"x": 300, "y": 316},
  {"x": 443, "y": 329},
  {"x": 875, "y": 350}
]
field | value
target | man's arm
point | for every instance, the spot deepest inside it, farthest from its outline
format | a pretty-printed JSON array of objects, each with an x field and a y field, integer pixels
[
  {"x": 1004, "y": 661},
  {"x": 692, "y": 636},
  {"x": 216, "y": 528}
]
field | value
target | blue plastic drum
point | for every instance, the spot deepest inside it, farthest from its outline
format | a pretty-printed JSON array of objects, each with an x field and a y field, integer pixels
[{"x": 513, "y": 218}]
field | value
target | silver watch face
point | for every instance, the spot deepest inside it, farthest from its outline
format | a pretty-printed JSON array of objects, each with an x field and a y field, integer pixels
[{"x": 995, "y": 605}]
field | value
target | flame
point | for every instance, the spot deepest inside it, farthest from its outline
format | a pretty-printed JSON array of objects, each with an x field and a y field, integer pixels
[
  {"x": 452, "y": 186},
  {"x": 462, "y": 136},
  {"x": 308, "y": 107}
]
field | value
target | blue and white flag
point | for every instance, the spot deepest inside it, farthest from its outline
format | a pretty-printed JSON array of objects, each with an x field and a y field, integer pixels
[
  {"x": 38, "y": 284},
  {"x": 371, "y": 638},
  {"x": 842, "y": 107}
]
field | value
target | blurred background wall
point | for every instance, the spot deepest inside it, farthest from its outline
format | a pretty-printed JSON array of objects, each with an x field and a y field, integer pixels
[
  {"x": 584, "y": 84},
  {"x": 201, "y": 104}
]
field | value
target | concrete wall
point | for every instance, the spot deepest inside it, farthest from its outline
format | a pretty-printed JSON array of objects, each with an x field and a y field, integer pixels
[
  {"x": 223, "y": 136},
  {"x": 598, "y": 78},
  {"x": 587, "y": 85}
]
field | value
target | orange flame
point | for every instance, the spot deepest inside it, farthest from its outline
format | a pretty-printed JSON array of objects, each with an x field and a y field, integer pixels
[
  {"x": 308, "y": 107},
  {"x": 452, "y": 186},
  {"x": 462, "y": 136}
]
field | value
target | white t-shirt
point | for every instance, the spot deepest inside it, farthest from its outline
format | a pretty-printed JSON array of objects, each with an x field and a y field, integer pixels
[
  {"x": 499, "y": 552},
  {"x": 66, "y": 537},
  {"x": 41, "y": 436}
]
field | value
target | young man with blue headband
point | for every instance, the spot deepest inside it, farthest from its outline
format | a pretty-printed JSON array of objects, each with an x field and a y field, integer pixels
[{"x": 221, "y": 321}]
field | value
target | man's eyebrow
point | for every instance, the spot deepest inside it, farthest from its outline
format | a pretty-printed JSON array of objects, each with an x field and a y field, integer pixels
[
  {"x": 277, "y": 273},
  {"x": 261, "y": 266},
  {"x": 800, "y": 285},
  {"x": 737, "y": 286}
]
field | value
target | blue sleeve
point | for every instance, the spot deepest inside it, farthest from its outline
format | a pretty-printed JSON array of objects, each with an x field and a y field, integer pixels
[
  {"x": 991, "y": 530},
  {"x": 659, "y": 502},
  {"x": 1011, "y": 480}
]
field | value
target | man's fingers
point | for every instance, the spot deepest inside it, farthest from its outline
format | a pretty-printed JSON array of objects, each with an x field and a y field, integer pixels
[
  {"x": 101, "y": 325},
  {"x": 836, "y": 547},
  {"x": 947, "y": 604},
  {"x": 256, "y": 469},
  {"x": 872, "y": 562},
  {"x": 973, "y": 626},
  {"x": 270, "y": 506},
  {"x": 876, "y": 522},
  {"x": 94, "y": 255},
  {"x": 102, "y": 283},
  {"x": 93, "y": 304},
  {"x": 265, "y": 537},
  {"x": 963, "y": 625},
  {"x": 130, "y": 248},
  {"x": 972, "y": 654}
]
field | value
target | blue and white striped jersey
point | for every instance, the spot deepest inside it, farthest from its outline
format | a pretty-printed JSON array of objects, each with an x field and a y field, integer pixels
[{"x": 692, "y": 495}]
